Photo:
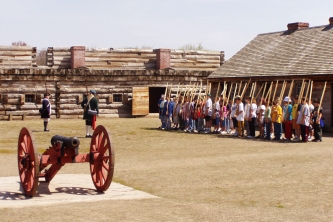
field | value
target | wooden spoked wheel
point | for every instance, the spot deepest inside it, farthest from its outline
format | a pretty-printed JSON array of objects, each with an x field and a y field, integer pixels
[
  {"x": 28, "y": 162},
  {"x": 101, "y": 159}
]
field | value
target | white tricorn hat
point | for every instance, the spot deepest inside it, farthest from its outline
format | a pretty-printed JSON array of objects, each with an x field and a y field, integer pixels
[{"x": 287, "y": 99}]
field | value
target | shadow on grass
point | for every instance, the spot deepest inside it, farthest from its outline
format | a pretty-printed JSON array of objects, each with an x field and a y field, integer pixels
[{"x": 218, "y": 135}]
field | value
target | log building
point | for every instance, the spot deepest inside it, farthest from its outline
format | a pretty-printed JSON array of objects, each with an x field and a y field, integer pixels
[
  {"x": 300, "y": 52},
  {"x": 128, "y": 82}
]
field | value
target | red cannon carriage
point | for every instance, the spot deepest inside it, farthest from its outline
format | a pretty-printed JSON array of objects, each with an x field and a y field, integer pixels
[{"x": 64, "y": 150}]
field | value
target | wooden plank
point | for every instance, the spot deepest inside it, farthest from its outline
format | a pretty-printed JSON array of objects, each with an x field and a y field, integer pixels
[
  {"x": 194, "y": 61},
  {"x": 16, "y": 48},
  {"x": 195, "y": 52},
  {"x": 140, "y": 101}
]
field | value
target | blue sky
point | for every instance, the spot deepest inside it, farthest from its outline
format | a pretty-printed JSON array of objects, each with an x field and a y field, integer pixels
[{"x": 223, "y": 25}]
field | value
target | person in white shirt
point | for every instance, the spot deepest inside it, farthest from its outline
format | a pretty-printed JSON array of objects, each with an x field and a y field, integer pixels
[
  {"x": 252, "y": 118},
  {"x": 233, "y": 118},
  {"x": 240, "y": 116},
  {"x": 261, "y": 117},
  {"x": 208, "y": 113},
  {"x": 311, "y": 108},
  {"x": 305, "y": 119},
  {"x": 247, "y": 114}
]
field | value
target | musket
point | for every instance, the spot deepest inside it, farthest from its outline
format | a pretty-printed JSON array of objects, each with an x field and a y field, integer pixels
[
  {"x": 263, "y": 93},
  {"x": 239, "y": 88},
  {"x": 310, "y": 96},
  {"x": 321, "y": 98},
  {"x": 229, "y": 92},
  {"x": 301, "y": 92},
  {"x": 291, "y": 88},
  {"x": 277, "y": 83},
  {"x": 307, "y": 91},
  {"x": 245, "y": 88},
  {"x": 166, "y": 88},
  {"x": 259, "y": 92},
  {"x": 217, "y": 92},
  {"x": 46, "y": 87}
]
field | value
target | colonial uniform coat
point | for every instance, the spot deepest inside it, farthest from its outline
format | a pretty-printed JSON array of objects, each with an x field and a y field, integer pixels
[
  {"x": 93, "y": 104},
  {"x": 46, "y": 107}
]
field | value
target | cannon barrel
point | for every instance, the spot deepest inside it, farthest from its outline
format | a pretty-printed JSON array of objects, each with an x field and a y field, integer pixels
[{"x": 68, "y": 142}]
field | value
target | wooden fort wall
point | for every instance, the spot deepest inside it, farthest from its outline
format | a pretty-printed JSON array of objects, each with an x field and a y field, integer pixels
[{"x": 69, "y": 86}]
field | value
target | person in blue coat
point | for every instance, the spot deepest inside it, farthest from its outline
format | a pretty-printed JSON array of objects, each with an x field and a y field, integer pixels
[
  {"x": 171, "y": 105},
  {"x": 46, "y": 110}
]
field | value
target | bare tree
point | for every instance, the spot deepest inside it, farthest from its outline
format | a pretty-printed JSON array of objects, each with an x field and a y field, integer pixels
[
  {"x": 19, "y": 43},
  {"x": 192, "y": 47}
]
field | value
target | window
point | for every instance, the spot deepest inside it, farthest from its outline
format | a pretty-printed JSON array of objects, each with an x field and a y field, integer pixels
[
  {"x": 117, "y": 97},
  {"x": 29, "y": 98}
]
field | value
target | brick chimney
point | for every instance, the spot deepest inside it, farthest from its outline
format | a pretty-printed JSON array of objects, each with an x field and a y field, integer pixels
[
  {"x": 162, "y": 58},
  {"x": 77, "y": 56},
  {"x": 331, "y": 21},
  {"x": 297, "y": 25}
]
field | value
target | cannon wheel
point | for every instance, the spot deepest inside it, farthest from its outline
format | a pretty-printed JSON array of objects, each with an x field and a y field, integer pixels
[
  {"x": 28, "y": 164},
  {"x": 101, "y": 159}
]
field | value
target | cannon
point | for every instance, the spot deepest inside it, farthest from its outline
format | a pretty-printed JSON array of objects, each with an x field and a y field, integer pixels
[{"x": 33, "y": 166}]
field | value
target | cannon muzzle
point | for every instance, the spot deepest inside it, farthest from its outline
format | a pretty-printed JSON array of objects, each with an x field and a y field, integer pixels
[{"x": 68, "y": 142}]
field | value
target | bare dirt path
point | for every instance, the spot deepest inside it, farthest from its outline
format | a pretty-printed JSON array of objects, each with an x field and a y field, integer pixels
[{"x": 197, "y": 177}]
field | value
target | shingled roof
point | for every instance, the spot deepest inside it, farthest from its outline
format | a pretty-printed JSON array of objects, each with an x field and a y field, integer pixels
[{"x": 304, "y": 51}]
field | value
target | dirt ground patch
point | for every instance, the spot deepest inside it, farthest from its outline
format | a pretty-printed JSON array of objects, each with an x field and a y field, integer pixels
[{"x": 198, "y": 177}]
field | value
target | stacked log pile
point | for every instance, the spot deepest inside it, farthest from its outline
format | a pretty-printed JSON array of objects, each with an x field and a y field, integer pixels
[
  {"x": 14, "y": 57},
  {"x": 196, "y": 59},
  {"x": 58, "y": 58},
  {"x": 137, "y": 59}
]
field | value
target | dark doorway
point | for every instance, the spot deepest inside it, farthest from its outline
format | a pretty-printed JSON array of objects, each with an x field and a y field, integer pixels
[{"x": 154, "y": 95}]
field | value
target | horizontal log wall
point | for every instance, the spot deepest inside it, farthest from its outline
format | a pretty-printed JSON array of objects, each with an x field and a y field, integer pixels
[
  {"x": 120, "y": 59},
  {"x": 69, "y": 86},
  {"x": 196, "y": 59},
  {"x": 17, "y": 56},
  {"x": 59, "y": 58}
]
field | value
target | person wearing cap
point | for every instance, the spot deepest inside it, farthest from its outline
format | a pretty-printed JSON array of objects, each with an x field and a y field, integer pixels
[
  {"x": 287, "y": 118},
  {"x": 46, "y": 110},
  {"x": 90, "y": 103}
]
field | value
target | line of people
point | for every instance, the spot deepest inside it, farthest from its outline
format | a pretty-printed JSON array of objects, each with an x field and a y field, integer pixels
[{"x": 277, "y": 119}]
